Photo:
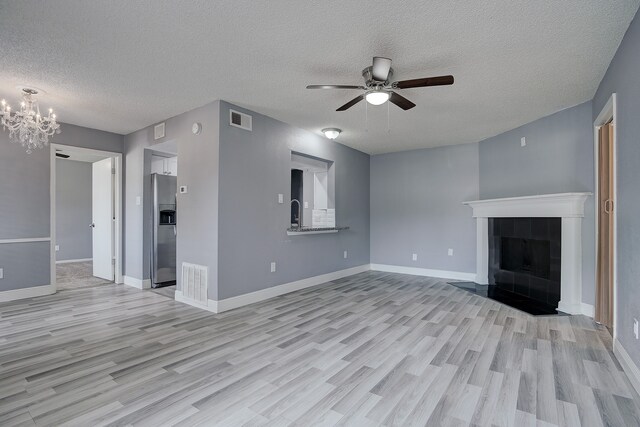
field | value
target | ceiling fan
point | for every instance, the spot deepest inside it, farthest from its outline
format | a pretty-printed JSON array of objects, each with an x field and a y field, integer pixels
[{"x": 378, "y": 88}]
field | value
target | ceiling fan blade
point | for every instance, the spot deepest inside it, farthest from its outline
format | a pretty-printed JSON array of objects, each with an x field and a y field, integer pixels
[
  {"x": 351, "y": 103},
  {"x": 380, "y": 69},
  {"x": 428, "y": 81},
  {"x": 401, "y": 101},
  {"x": 334, "y": 87}
]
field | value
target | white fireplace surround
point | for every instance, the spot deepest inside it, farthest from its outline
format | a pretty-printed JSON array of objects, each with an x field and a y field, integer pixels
[{"x": 569, "y": 207}]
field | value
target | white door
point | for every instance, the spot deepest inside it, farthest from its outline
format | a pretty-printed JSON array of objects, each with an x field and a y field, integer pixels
[{"x": 102, "y": 225}]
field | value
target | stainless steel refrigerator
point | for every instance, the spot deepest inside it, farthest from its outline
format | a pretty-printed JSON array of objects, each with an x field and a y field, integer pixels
[{"x": 163, "y": 260}]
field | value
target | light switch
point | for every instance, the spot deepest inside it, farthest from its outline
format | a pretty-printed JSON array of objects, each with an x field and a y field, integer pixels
[
  {"x": 450, "y": 252},
  {"x": 273, "y": 267},
  {"x": 1, "y": 273},
  {"x": 523, "y": 141},
  {"x": 138, "y": 200},
  {"x": 184, "y": 189},
  {"x": 414, "y": 257},
  {"x": 344, "y": 255},
  {"x": 280, "y": 198},
  {"x": 57, "y": 248},
  {"x": 306, "y": 205}
]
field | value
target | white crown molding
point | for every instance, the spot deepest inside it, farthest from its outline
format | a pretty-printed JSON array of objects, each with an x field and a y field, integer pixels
[
  {"x": 137, "y": 283},
  {"x": 630, "y": 368},
  {"x": 563, "y": 205},
  {"x": 218, "y": 306},
  {"x": 35, "y": 291},
  {"x": 441, "y": 274}
]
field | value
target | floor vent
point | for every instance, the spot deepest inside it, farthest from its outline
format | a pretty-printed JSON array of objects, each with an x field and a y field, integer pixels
[{"x": 194, "y": 282}]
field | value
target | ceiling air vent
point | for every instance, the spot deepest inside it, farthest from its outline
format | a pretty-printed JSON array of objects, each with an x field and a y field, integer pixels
[
  {"x": 240, "y": 120},
  {"x": 158, "y": 131}
]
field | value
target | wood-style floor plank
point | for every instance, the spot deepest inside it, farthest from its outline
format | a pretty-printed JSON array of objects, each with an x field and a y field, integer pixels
[{"x": 370, "y": 349}]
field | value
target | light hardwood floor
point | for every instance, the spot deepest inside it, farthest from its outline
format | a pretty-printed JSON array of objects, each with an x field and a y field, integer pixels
[{"x": 370, "y": 349}]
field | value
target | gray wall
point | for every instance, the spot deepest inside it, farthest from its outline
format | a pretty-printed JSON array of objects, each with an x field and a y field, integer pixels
[
  {"x": 73, "y": 209},
  {"x": 622, "y": 78},
  {"x": 25, "y": 211},
  {"x": 558, "y": 158},
  {"x": 24, "y": 191},
  {"x": 416, "y": 196},
  {"x": 416, "y": 207},
  {"x": 254, "y": 168},
  {"x": 198, "y": 209},
  {"x": 197, "y": 166}
]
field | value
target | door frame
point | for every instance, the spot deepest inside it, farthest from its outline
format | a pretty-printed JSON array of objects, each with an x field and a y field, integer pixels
[
  {"x": 608, "y": 114},
  {"x": 118, "y": 204}
]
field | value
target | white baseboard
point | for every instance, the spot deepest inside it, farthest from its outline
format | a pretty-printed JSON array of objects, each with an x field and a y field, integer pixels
[
  {"x": 441, "y": 274},
  {"x": 264, "y": 294},
  {"x": 211, "y": 306},
  {"x": 587, "y": 309},
  {"x": 630, "y": 368},
  {"x": 69, "y": 261},
  {"x": 36, "y": 291},
  {"x": 137, "y": 283}
]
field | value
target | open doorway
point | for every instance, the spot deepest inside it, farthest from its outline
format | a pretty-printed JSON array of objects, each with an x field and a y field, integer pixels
[
  {"x": 605, "y": 168},
  {"x": 85, "y": 217},
  {"x": 164, "y": 216}
]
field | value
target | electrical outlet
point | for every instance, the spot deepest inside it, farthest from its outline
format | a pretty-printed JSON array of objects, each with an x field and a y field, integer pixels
[
  {"x": 344, "y": 255},
  {"x": 414, "y": 257},
  {"x": 57, "y": 248},
  {"x": 523, "y": 141},
  {"x": 138, "y": 200},
  {"x": 450, "y": 252},
  {"x": 1, "y": 273},
  {"x": 273, "y": 267},
  {"x": 306, "y": 205},
  {"x": 635, "y": 328},
  {"x": 280, "y": 198}
]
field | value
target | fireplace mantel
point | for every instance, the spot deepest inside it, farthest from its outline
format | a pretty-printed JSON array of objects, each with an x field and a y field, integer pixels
[
  {"x": 569, "y": 207},
  {"x": 561, "y": 205}
]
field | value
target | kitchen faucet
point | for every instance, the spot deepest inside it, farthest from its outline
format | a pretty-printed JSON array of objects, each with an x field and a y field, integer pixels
[{"x": 299, "y": 212}]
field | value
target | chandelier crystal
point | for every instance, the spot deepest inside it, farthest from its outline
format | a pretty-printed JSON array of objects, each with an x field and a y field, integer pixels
[{"x": 27, "y": 126}]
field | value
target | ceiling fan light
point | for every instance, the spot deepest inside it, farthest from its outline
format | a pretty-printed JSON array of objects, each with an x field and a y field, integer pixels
[
  {"x": 377, "y": 97},
  {"x": 331, "y": 133}
]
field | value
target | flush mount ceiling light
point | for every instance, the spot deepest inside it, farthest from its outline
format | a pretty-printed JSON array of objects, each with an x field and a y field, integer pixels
[
  {"x": 27, "y": 126},
  {"x": 377, "y": 97},
  {"x": 331, "y": 133}
]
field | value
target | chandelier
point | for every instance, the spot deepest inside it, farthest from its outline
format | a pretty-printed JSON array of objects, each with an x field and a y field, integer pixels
[{"x": 27, "y": 126}]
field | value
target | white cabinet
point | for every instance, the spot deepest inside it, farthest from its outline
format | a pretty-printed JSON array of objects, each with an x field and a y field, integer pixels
[
  {"x": 164, "y": 165},
  {"x": 171, "y": 165}
]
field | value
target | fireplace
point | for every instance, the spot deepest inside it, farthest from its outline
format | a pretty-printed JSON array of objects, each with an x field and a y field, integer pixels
[
  {"x": 525, "y": 258},
  {"x": 567, "y": 209}
]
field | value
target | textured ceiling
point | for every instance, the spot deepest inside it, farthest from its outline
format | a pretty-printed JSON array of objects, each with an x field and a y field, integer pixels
[{"x": 120, "y": 65}]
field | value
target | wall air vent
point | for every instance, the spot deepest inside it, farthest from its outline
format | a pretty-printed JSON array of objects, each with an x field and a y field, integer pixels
[
  {"x": 240, "y": 120},
  {"x": 158, "y": 131}
]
